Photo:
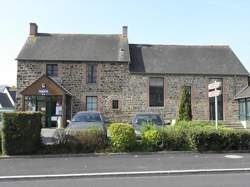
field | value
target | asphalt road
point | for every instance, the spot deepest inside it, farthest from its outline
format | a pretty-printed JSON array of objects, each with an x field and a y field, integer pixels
[
  {"x": 214, "y": 180},
  {"x": 120, "y": 163}
]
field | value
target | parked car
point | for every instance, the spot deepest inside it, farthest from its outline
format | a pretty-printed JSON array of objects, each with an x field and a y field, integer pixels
[
  {"x": 140, "y": 119},
  {"x": 85, "y": 120}
]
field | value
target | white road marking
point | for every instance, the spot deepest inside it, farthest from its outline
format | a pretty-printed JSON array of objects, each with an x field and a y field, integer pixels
[
  {"x": 233, "y": 156},
  {"x": 124, "y": 174}
]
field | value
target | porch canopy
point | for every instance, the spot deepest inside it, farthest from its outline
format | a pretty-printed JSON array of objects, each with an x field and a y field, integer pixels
[
  {"x": 48, "y": 96},
  {"x": 243, "y": 98}
]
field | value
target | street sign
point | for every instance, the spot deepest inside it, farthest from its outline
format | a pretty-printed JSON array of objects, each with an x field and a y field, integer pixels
[
  {"x": 214, "y": 85},
  {"x": 214, "y": 93}
]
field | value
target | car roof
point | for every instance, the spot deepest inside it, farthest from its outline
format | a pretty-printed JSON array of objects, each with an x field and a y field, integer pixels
[
  {"x": 89, "y": 112},
  {"x": 147, "y": 114}
]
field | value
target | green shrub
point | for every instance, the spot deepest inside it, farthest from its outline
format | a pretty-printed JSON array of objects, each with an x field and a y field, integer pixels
[
  {"x": 176, "y": 139},
  {"x": 208, "y": 139},
  {"x": 87, "y": 140},
  {"x": 148, "y": 126},
  {"x": 152, "y": 139},
  {"x": 185, "y": 110},
  {"x": 123, "y": 137},
  {"x": 21, "y": 132},
  {"x": 77, "y": 141},
  {"x": 191, "y": 124}
]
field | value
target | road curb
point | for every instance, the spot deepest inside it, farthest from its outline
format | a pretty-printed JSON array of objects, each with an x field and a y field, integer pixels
[
  {"x": 125, "y": 174},
  {"x": 113, "y": 154}
]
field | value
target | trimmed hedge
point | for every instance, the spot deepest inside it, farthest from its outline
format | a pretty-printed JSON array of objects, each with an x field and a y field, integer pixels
[
  {"x": 21, "y": 133},
  {"x": 87, "y": 140},
  {"x": 196, "y": 138},
  {"x": 209, "y": 139},
  {"x": 123, "y": 137},
  {"x": 78, "y": 141},
  {"x": 176, "y": 139}
]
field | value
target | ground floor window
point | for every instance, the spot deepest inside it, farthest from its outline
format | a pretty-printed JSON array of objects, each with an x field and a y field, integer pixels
[
  {"x": 115, "y": 104},
  {"x": 91, "y": 103},
  {"x": 156, "y": 92},
  {"x": 244, "y": 107},
  {"x": 220, "y": 102}
]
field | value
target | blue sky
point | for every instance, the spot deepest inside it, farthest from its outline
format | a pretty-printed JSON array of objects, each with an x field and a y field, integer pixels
[{"x": 194, "y": 22}]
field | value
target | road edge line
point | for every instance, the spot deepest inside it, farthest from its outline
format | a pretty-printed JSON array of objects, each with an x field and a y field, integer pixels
[{"x": 125, "y": 174}]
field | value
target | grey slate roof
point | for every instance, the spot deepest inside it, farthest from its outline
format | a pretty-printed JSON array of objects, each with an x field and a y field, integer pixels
[
  {"x": 4, "y": 101},
  {"x": 179, "y": 59},
  {"x": 245, "y": 93},
  {"x": 75, "y": 47},
  {"x": 12, "y": 93}
]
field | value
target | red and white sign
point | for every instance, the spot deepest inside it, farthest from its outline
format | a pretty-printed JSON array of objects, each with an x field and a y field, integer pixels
[
  {"x": 214, "y": 85},
  {"x": 214, "y": 93}
]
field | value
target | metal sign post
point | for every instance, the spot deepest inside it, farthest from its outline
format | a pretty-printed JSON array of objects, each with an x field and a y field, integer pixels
[
  {"x": 213, "y": 92},
  {"x": 216, "y": 112}
]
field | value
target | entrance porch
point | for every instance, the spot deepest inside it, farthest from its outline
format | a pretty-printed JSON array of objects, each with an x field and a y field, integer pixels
[{"x": 49, "y": 97}]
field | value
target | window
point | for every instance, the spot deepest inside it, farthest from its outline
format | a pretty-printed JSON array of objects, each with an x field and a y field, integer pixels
[
  {"x": 220, "y": 102},
  {"x": 156, "y": 92},
  {"x": 242, "y": 110},
  {"x": 189, "y": 91},
  {"x": 92, "y": 73},
  {"x": 91, "y": 103},
  {"x": 52, "y": 69},
  {"x": 115, "y": 104}
]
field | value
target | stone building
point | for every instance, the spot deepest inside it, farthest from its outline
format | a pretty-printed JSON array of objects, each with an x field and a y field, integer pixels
[{"x": 61, "y": 74}]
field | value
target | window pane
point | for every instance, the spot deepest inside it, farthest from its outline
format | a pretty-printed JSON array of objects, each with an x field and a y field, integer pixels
[
  {"x": 156, "y": 92},
  {"x": 115, "y": 104},
  {"x": 248, "y": 110},
  {"x": 52, "y": 69},
  {"x": 92, "y": 71},
  {"x": 91, "y": 103},
  {"x": 242, "y": 110}
]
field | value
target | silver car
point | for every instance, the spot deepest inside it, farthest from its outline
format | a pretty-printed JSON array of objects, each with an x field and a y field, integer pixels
[
  {"x": 143, "y": 118},
  {"x": 85, "y": 120}
]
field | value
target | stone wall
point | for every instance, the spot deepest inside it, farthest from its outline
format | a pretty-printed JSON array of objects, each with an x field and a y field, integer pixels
[
  {"x": 111, "y": 80},
  {"x": 132, "y": 90},
  {"x": 136, "y": 96}
]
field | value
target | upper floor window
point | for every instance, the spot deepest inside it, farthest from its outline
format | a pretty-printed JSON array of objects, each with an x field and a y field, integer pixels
[
  {"x": 92, "y": 71},
  {"x": 156, "y": 92},
  {"x": 52, "y": 69}
]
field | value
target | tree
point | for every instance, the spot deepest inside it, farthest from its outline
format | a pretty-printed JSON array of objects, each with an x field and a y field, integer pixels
[{"x": 185, "y": 110}]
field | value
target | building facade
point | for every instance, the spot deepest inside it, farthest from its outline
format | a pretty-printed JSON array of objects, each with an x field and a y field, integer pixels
[{"x": 61, "y": 74}]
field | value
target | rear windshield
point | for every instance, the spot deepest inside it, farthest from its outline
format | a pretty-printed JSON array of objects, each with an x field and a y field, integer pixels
[{"x": 85, "y": 117}]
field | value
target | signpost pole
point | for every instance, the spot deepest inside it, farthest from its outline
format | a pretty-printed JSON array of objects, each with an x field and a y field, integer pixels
[{"x": 216, "y": 112}]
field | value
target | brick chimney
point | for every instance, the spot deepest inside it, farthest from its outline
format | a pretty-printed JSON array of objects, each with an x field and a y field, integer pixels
[
  {"x": 33, "y": 29},
  {"x": 124, "y": 31}
]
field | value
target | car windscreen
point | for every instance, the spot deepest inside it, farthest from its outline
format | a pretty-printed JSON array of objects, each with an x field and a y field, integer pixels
[
  {"x": 149, "y": 119},
  {"x": 86, "y": 117}
]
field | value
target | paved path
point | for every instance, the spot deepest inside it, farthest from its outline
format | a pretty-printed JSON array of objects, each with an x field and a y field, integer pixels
[{"x": 120, "y": 163}]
